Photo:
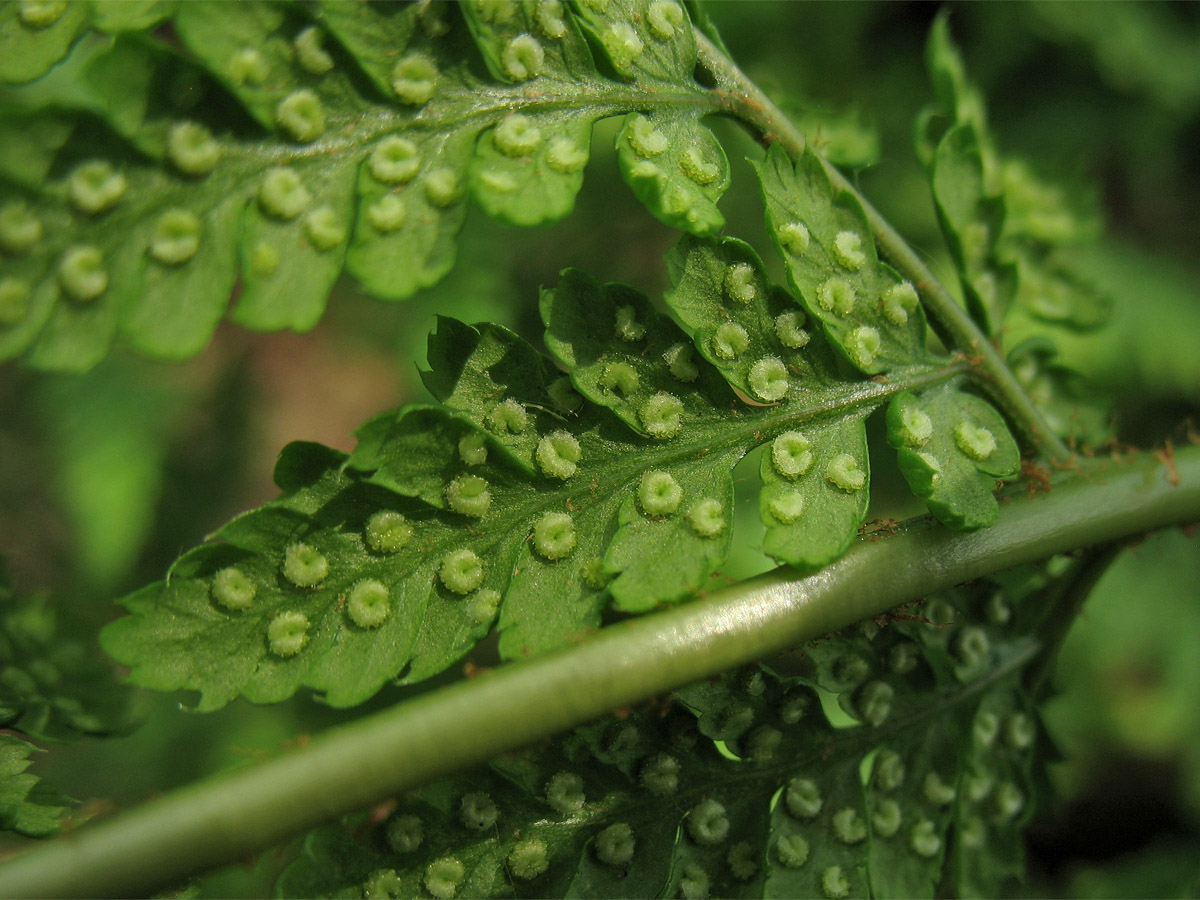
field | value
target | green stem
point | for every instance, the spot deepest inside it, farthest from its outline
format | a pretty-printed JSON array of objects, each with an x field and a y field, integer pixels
[
  {"x": 233, "y": 815},
  {"x": 744, "y": 100}
]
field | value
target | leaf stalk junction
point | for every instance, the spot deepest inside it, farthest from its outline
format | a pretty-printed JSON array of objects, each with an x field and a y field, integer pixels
[{"x": 745, "y": 101}]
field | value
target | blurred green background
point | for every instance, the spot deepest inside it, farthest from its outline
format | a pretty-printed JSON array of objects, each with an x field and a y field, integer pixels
[{"x": 106, "y": 477}]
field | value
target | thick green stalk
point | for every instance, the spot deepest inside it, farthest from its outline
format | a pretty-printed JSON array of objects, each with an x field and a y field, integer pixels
[
  {"x": 746, "y": 101},
  {"x": 233, "y": 815}
]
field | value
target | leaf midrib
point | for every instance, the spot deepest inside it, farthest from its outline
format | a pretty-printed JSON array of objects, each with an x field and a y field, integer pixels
[
  {"x": 622, "y": 470},
  {"x": 855, "y": 741},
  {"x": 245, "y": 161}
]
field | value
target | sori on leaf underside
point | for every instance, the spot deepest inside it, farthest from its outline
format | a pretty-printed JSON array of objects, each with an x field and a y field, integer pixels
[
  {"x": 158, "y": 155},
  {"x": 537, "y": 501},
  {"x": 542, "y": 496},
  {"x": 895, "y": 760},
  {"x": 332, "y": 136},
  {"x": 531, "y": 500},
  {"x": 52, "y": 690}
]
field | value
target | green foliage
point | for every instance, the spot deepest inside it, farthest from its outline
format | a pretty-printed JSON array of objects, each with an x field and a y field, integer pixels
[
  {"x": 110, "y": 436},
  {"x": 334, "y": 136},
  {"x": 1135, "y": 47},
  {"x": 51, "y": 689},
  {"x": 164, "y": 161},
  {"x": 524, "y": 495},
  {"x": 952, "y": 447},
  {"x": 869, "y": 311},
  {"x": 894, "y": 760},
  {"x": 27, "y": 806},
  {"x": 1152, "y": 715},
  {"x": 1009, "y": 232}
]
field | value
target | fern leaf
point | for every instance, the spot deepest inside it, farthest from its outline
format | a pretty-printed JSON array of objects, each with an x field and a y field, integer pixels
[
  {"x": 537, "y": 501},
  {"x": 952, "y": 446},
  {"x": 869, "y": 312},
  {"x": 34, "y": 36},
  {"x": 959, "y": 101},
  {"x": 336, "y": 136},
  {"x": 1009, "y": 233},
  {"x": 27, "y": 805},
  {"x": 950, "y": 453},
  {"x": 1069, "y": 409},
  {"x": 30, "y": 143},
  {"x": 754, "y": 784},
  {"x": 972, "y": 221},
  {"x": 53, "y": 688},
  {"x": 671, "y": 160}
]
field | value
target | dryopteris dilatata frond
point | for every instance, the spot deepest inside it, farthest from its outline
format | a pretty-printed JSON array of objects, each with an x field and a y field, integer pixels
[
  {"x": 538, "y": 501},
  {"x": 51, "y": 690},
  {"x": 1010, "y": 233},
  {"x": 751, "y": 106},
  {"x": 330, "y": 135},
  {"x": 27, "y": 805},
  {"x": 745, "y": 786},
  {"x": 502, "y": 433},
  {"x": 374, "y": 758},
  {"x": 1014, "y": 240}
]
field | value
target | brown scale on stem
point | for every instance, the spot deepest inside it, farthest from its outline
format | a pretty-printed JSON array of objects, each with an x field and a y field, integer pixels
[
  {"x": 1167, "y": 456},
  {"x": 1037, "y": 476}
]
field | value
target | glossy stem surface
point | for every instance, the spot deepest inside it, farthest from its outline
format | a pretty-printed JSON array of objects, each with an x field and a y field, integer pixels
[{"x": 233, "y": 815}]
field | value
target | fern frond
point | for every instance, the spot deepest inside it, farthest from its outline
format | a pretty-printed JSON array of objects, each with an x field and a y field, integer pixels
[
  {"x": 952, "y": 445},
  {"x": 345, "y": 135},
  {"x": 1010, "y": 233},
  {"x": 754, "y": 784},
  {"x": 27, "y": 805},
  {"x": 33, "y": 37},
  {"x": 53, "y": 688},
  {"x": 869, "y": 311},
  {"x": 538, "y": 501}
]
